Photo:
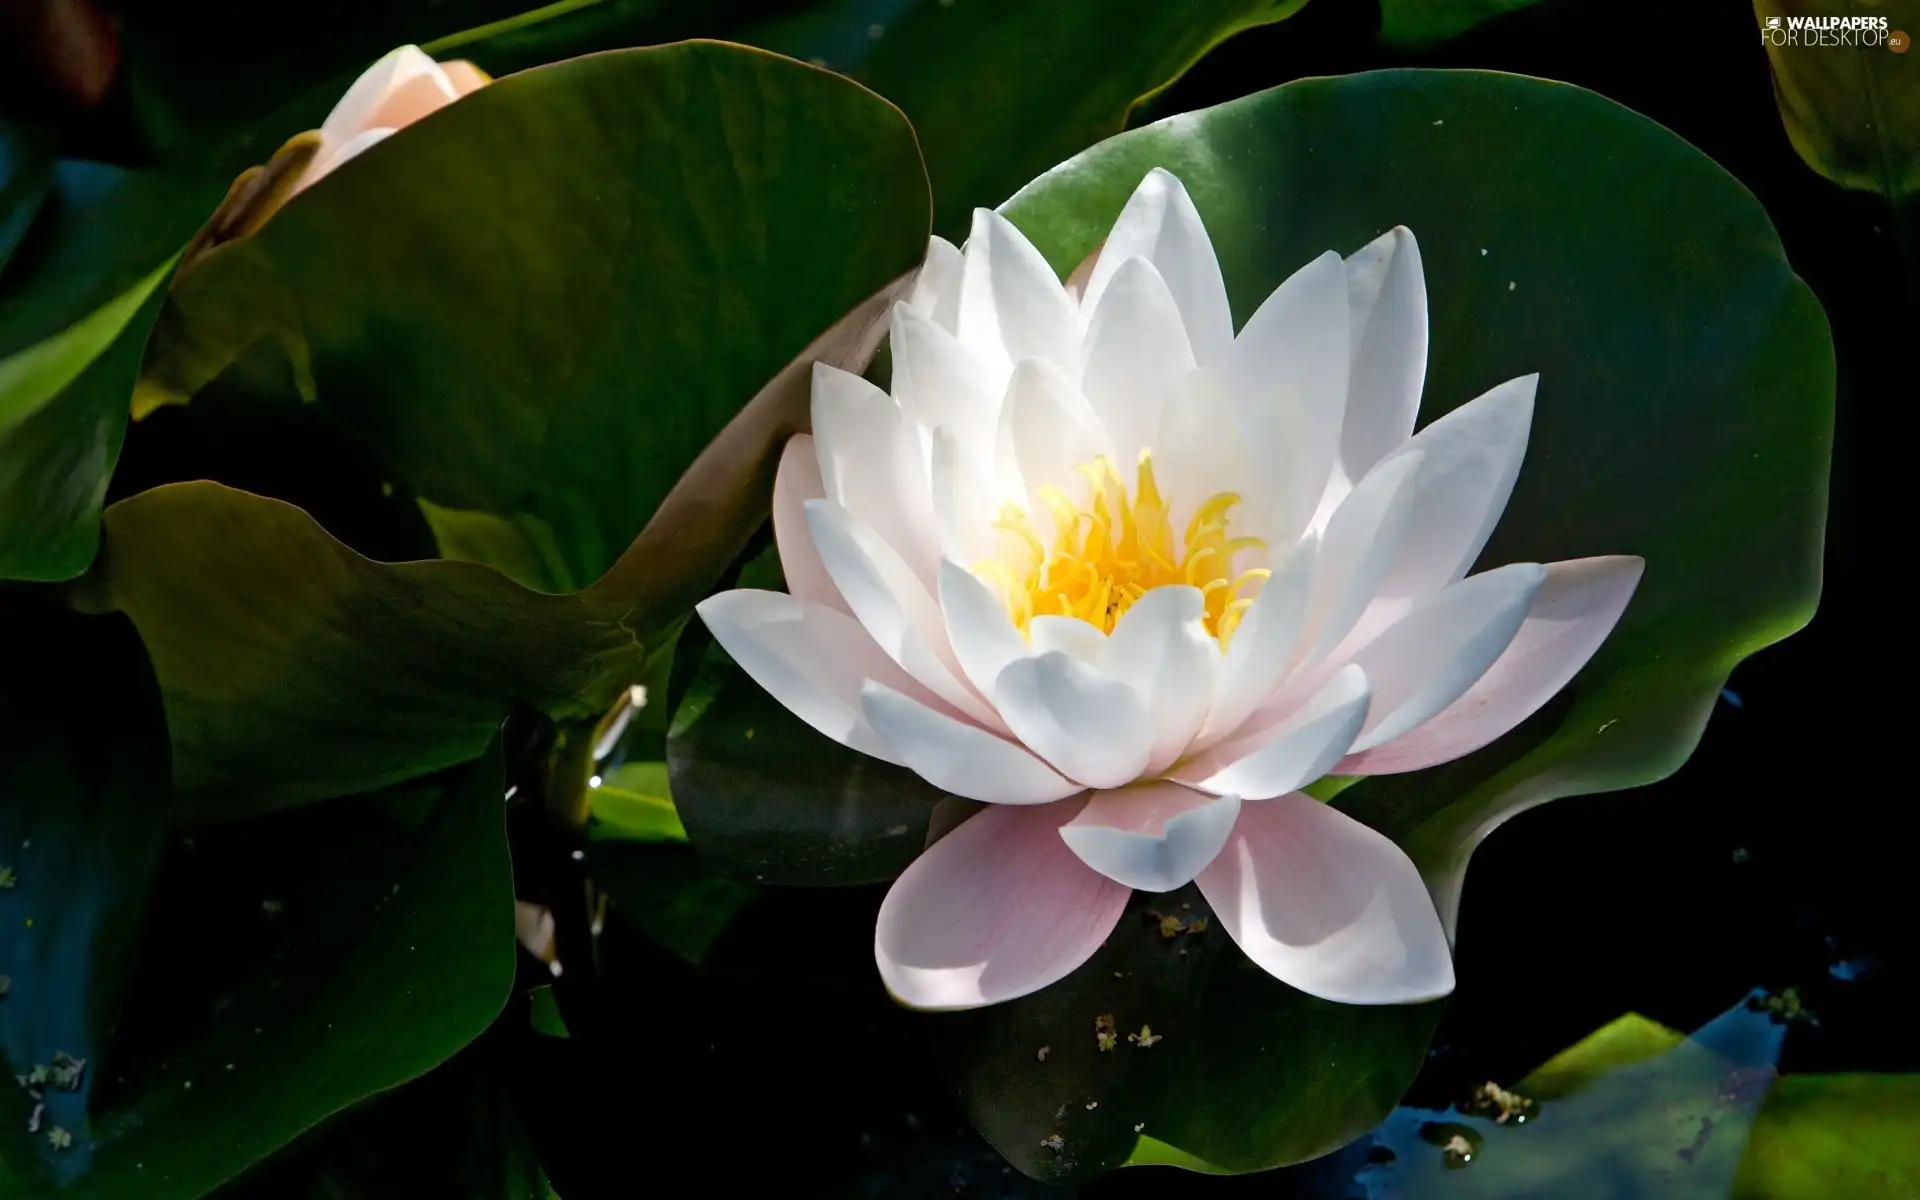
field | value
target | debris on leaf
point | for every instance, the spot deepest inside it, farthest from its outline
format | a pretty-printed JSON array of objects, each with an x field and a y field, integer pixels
[
  {"x": 37, "y": 1075},
  {"x": 59, "y": 1138},
  {"x": 1784, "y": 1007},
  {"x": 1054, "y": 1142},
  {"x": 7, "y": 879},
  {"x": 6, "y": 984},
  {"x": 66, "y": 1071},
  {"x": 1041, "y": 1054},
  {"x": 272, "y": 908},
  {"x": 1172, "y": 925},
  {"x": 1146, "y": 1037},
  {"x": 1104, "y": 1032},
  {"x": 1139, "y": 1127},
  {"x": 1459, "y": 1151},
  {"x": 33, "y": 1120},
  {"x": 1092, "y": 1104},
  {"x": 1499, "y": 1103}
]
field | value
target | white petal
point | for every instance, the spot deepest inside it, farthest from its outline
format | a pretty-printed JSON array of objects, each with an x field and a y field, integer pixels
[
  {"x": 1197, "y": 450},
  {"x": 393, "y": 71},
  {"x": 894, "y": 606},
  {"x": 1069, "y": 635},
  {"x": 1162, "y": 650},
  {"x": 983, "y": 636},
  {"x": 1361, "y": 544},
  {"x": 963, "y": 508},
  {"x": 957, "y": 757},
  {"x": 1387, "y": 299},
  {"x": 1053, "y": 430},
  {"x": 871, "y": 465},
  {"x": 1431, "y": 656},
  {"x": 1469, "y": 461},
  {"x": 939, "y": 383},
  {"x": 1090, "y": 727},
  {"x": 334, "y": 156},
  {"x": 1161, "y": 225},
  {"x": 1329, "y": 906},
  {"x": 1262, "y": 646},
  {"x": 796, "y": 482},
  {"x": 1012, "y": 306},
  {"x": 1288, "y": 377},
  {"x": 995, "y": 910},
  {"x": 1291, "y": 753},
  {"x": 1571, "y": 615},
  {"x": 813, "y": 660},
  {"x": 1154, "y": 836},
  {"x": 936, "y": 291},
  {"x": 1134, "y": 358}
]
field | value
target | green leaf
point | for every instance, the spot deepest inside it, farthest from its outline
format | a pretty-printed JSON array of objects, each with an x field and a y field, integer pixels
[
  {"x": 295, "y": 966},
  {"x": 542, "y": 302},
  {"x": 765, "y": 797},
  {"x": 1418, "y": 24},
  {"x": 970, "y": 75},
  {"x": 1248, "y": 1073},
  {"x": 1852, "y": 109},
  {"x": 26, "y": 172},
  {"x": 1685, "y": 410},
  {"x": 543, "y": 1013},
  {"x": 633, "y": 803},
  {"x": 1684, "y": 414},
  {"x": 1834, "y": 1135},
  {"x": 669, "y": 894},
  {"x": 83, "y": 797},
  {"x": 294, "y": 669}
]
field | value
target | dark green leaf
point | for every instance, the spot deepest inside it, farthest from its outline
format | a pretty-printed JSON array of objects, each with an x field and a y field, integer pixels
[
  {"x": 1851, "y": 108},
  {"x": 767, "y": 798},
  {"x": 1417, "y": 24},
  {"x": 295, "y": 966},
  {"x": 83, "y": 807},
  {"x": 669, "y": 894},
  {"x": 26, "y": 172},
  {"x": 1248, "y": 1073},
  {"x": 1834, "y": 1135},
  {"x": 542, "y": 302},
  {"x": 633, "y": 803}
]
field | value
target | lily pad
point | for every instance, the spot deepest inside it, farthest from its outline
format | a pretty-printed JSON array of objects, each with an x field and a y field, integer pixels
[
  {"x": 1684, "y": 414},
  {"x": 83, "y": 809},
  {"x": 1851, "y": 108},
  {"x": 295, "y": 966}
]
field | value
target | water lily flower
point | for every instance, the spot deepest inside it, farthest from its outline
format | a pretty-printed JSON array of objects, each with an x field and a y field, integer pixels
[
  {"x": 389, "y": 96},
  {"x": 1133, "y": 580}
]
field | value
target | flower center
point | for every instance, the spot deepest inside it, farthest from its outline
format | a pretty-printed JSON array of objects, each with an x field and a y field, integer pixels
[{"x": 1115, "y": 548}]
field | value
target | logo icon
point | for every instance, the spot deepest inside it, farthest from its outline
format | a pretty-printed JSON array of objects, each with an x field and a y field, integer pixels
[{"x": 1773, "y": 22}]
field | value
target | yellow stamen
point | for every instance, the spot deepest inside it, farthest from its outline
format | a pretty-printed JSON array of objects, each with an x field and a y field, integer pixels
[{"x": 1113, "y": 549}]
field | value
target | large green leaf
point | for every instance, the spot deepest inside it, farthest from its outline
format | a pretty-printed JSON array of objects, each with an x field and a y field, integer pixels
[
  {"x": 545, "y": 300},
  {"x": 1416, "y": 24},
  {"x": 1684, "y": 414},
  {"x": 1834, "y": 1135},
  {"x": 1247, "y": 1072},
  {"x": 297, "y": 965},
  {"x": 83, "y": 808},
  {"x": 1851, "y": 106},
  {"x": 1685, "y": 409}
]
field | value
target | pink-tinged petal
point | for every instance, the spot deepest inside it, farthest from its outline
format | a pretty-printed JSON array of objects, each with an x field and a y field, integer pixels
[
  {"x": 1053, "y": 430},
  {"x": 354, "y": 111},
  {"x": 1069, "y": 635},
  {"x": 1431, "y": 656},
  {"x": 420, "y": 96},
  {"x": 1327, "y": 905},
  {"x": 1287, "y": 375},
  {"x": 813, "y": 660},
  {"x": 1291, "y": 753},
  {"x": 1162, "y": 650},
  {"x": 1161, "y": 225},
  {"x": 1262, "y": 646},
  {"x": 1469, "y": 460},
  {"x": 940, "y": 384},
  {"x": 465, "y": 77},
  {"x": 1133, "y": 359},
  {"x": 894, "y": 605},
  {"x": 1387, "y": 311},
  {"x": 1012, "y": 306},
  {"x": 332, "y": 157},
  {"x": 1572, "y": 613},
  {"x": 936, "y": 291},
  {"x": 796, "y": 482},
  {"x": 983, "y": 636},
  {"x": 1154, "y": 836},
  {"x": 1361, "y": 544},
  {"x": 871, "y": 465},
  {"x": 1092, "y": 728},
  {"x": 993, "y": 911},
  {"x": 960, "y": 758}
]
